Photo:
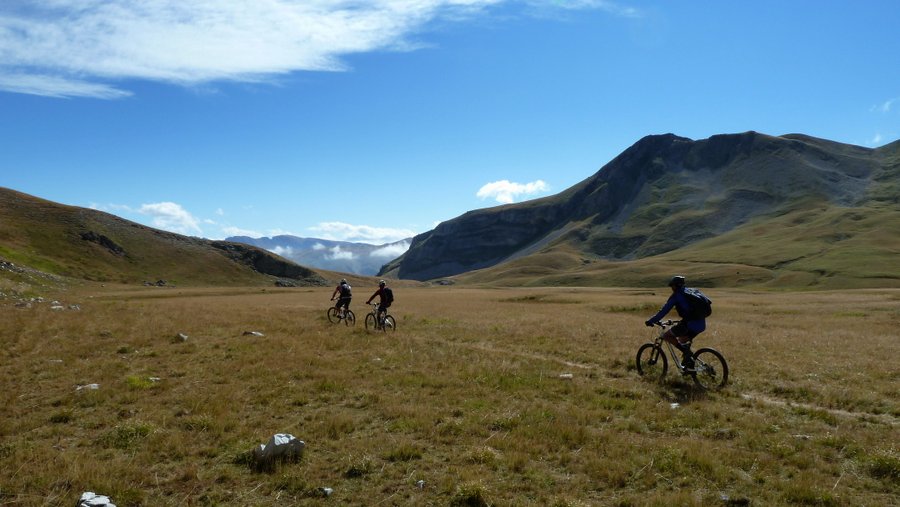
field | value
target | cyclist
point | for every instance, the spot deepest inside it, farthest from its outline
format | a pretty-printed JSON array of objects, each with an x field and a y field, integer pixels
[
  {"x": 345, "y": 291},
  {"x": 386, "y": 297},
  {"x": 681, "y": 334}
]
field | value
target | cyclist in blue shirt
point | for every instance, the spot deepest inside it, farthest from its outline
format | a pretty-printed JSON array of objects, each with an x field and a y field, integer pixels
[{"x": 681, "y": 334}]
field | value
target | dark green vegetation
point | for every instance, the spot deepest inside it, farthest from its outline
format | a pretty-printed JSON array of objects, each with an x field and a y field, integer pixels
[
  {"x": 85, "y": 244},
  {"x": 746, "y": 210}
]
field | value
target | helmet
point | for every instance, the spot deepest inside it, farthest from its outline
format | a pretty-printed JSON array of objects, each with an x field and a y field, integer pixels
[
  {"x": 676, "y": 281},
  {"x": 343, "y": 280},
  {"x": 381, "y": 283}
]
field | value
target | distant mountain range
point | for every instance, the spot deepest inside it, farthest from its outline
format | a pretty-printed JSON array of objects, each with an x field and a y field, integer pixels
[
  {"x": 733, "y": 209},
  {"x": 343, "y": 256}
]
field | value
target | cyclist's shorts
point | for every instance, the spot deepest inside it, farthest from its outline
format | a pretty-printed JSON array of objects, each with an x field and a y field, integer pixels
[
  {"x": 345, "y": 302},
  {"x": 689, "y": 328}
]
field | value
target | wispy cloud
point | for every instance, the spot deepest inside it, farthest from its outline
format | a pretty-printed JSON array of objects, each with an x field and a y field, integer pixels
[
  {"x": 237, "y": 231},
  {"x": 390, "y": 251},
  {"x": 171, "y": 217},
  {"x": 340, "y": 231},
  {"x": 80, "y": 48},
  {"x": 505, "y": 191},
  {"x": 885, "y": 107}
]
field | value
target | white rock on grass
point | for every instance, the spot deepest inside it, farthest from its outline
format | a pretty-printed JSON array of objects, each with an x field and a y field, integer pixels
[
  {"x": 91, "y": 499},
  {"x": 281, "y": 448}
]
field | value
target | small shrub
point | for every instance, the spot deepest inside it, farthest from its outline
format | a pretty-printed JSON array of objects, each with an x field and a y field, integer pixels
[
  {"x": 405, "y": 452},
  {"x": 885, "y": 467},
  {"x": 61, "y": 418},
  {"x": 139, "y": 382},
  {"x": 469, "y": 495},
  {"x": 125, "y": 436},
  {"x": 358, "y": 467}
]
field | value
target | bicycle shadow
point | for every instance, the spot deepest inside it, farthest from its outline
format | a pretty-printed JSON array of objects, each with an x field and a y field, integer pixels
[{"x": 682, "y": 392}]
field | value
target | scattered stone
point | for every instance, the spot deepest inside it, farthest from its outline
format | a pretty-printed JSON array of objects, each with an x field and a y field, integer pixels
[
  {"x": 420, "y": 484},
  {"x": 180, "y": 338},
  {"x": 566, "y": 376},
  {"x": 75, "y": 307},
  {"x": 281, "y": 448},
  {"x": 91, "y": 499},
  {"x": 90, "y": 387},
  {"x": 23, "y": 304},
  {"x": 326, "y": 491},
  {"x": 103, "y": 241},
  {"x": 284, "y": 283},
  {"x": 673, "y": 406},
  {"x": 253, "y": 333}
]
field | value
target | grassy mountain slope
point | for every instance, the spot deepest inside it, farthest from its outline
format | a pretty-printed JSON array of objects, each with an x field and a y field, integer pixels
[
  {"x": 735, "y": 209},
  {"x": 87, "y": 244}
]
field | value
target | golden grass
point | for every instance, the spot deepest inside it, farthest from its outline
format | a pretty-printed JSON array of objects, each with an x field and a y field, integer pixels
[{"x": 465, "y": 396}]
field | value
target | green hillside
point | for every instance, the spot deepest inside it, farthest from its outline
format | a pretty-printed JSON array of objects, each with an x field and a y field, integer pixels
[{"x": 84, "y": 244}]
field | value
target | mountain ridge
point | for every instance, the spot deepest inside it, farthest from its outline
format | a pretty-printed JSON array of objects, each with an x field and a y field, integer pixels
[
  {"x": 92, "y": 245},
  {"x": 662, "y": 194}
]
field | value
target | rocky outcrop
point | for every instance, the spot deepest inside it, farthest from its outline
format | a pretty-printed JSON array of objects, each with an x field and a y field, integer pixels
[{"x": 268, "y": 263}]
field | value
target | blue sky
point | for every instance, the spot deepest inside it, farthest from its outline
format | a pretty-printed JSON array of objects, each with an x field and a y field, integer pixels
[{"x": 374, "y": 121}]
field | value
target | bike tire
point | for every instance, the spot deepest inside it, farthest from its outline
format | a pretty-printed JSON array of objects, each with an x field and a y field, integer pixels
[
  {"x": 389, "y": 324},
  {"x": 711, "y": 369},
  {"x": 332, "y": 314},
  {"x": 349, "y": 318},
  {"x": 651, "y": 362},
  {"x": 370, "y": 322}
]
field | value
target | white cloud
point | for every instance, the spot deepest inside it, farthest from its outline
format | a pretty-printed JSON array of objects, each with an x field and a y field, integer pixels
[
  {"x": 284, "y": 251},
  {"x": 318, "y": 246},
  {"x": 220, "y": 212},
  {"x": 237, "y": 231},
  {"x": 340, "y": 231},
  {"x": 337, "y": 253},
  {"x": 81, "y": 48},
  {"x": 505, "y": 191},
  {"x": 171, "y": 217},
  {"x": 391, "y": 251},
  {"x": 885, "y": 107}
]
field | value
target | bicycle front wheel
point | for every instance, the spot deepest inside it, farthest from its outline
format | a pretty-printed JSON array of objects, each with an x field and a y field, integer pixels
[
  {"x": 651, "y": 361},
  {"x": 370, "y": 322},
  {"x": 389, "y": 324},
  {"x": 710, "y": 369},
  {"x": 349, "y": 318},
  {"x": 333, "y": 315}
]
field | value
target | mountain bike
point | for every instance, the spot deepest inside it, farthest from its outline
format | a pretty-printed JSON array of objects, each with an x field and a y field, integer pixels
[
  {"x": 710, "y": 371},
  {"x": 334, "y": 315},
  {"x": 387, "y": 322}
]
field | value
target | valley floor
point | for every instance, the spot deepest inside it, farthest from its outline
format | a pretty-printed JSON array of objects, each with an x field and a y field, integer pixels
[{"x": 483, "y": 396}]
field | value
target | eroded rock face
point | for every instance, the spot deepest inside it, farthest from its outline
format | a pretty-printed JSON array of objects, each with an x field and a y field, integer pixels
[
  {"x": 266, "y": 263},
  {"x": 625, "y": 210}
]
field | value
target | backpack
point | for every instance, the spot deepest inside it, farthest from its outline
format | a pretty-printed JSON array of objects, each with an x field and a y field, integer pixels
[
  {"x": 345, "y": 290},
  {"x": 701, "y": 306},
  {"x": 388, "y": 295}
]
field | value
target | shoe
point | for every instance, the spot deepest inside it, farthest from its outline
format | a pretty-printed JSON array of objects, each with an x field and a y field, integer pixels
[{"x": 687, "y": 360}]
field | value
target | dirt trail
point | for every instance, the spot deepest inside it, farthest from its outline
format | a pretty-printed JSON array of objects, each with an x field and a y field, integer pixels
[{"x": 768, "y": 400}]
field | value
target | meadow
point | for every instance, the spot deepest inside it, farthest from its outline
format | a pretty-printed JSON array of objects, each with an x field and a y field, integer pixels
[{"x": 483, "y": 396}]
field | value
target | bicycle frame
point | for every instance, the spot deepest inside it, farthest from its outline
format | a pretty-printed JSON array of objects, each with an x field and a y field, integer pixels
[{"x": 659, "y": 341}]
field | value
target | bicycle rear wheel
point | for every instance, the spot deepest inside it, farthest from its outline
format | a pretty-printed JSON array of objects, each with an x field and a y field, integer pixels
[
  {"x": 333, "y": 316},
  {"x": 651, "y": 361},
  {"x": 349, "y": 318},
  {"x": 710, "y": 369},
  {"x": 389, "y": 324}
]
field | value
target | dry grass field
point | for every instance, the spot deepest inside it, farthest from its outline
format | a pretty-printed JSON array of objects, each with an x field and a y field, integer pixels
[{"x": 468, "y": 396}]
